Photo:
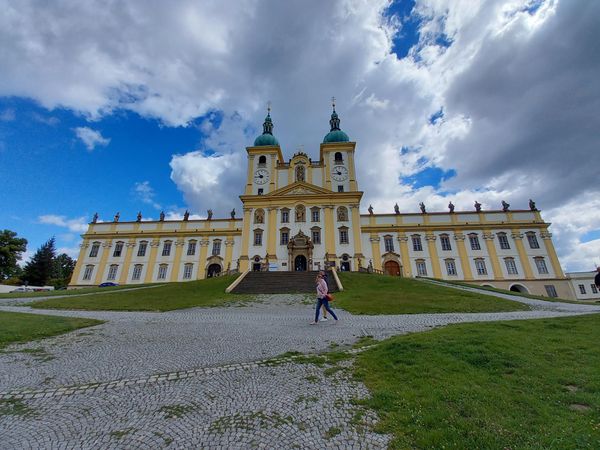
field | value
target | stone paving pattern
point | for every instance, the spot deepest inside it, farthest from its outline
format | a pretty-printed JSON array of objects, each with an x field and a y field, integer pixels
[{"x": 193, "y": 378}]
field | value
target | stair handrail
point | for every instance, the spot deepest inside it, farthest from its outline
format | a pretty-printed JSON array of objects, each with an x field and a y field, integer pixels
[
  {"x": 237, "y": 281},
  {"x": 337, "y": 279}
]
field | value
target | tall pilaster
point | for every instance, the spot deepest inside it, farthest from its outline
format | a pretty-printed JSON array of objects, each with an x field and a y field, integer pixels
[
  {"x": 179, "y": 243},
  {"x": 435, "y": 261},
  {"x": 406, "y": 267},
  {"x": 459, "y": 238},
  {"x": 547, "y": 237},
  {"x": 129, "y": 246},
  {"x": 491, "y": 248},
  {"x": 151, "y": 260},
  {"x": 106, "y": 246},
  {"x": 518, "y": 238},
  {"x": 201, "y": 274}
]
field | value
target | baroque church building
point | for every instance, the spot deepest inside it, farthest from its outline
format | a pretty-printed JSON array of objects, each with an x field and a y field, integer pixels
[{"x": 304, "y": 214}]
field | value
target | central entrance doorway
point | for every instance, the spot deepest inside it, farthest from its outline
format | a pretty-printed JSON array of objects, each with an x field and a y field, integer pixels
[
  {"x": 300, "y": 263},
  {"x": 391, "y": 268}
]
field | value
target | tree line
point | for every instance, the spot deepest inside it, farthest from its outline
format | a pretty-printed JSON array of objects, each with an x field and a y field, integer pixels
[{"x": 45, "y": 268}]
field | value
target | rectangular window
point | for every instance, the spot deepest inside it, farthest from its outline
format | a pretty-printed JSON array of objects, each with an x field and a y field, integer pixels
[
  {"x": 450, "y": 267},
  {"x": 285, "y": 216},
  {"x": 421, "y": 269},
  {"x": 137, "y": 272},
  {"x": 503, "y": 240},
  {"x": 533, "y": 242},
  {"x": 162, "y": 271},
  {"x": 594, "y": 288},
  {"x": 511, "y": 267},
  {"x": 166, "y": 249},
  {"x": 316, "y": 237},
  {"x": 343, "y": 236},
  {"x": 417, "y": 246},
  {"x": 445, "y": 240},
  {"x": 118, "y": 249},
  {"x": 112, "y": 272},
  {"x": 474, "y": 240},
  {"x": 551, "y": 290},
  {"x": 87, "y": 275},
  {"x": 541, "y": 266},
  {"x": 285, "y": 238},
  {"x": 216, "y": 250},
  {"x": 257, "y": 238},
  {"x": 480, "y": 266},
  {"x": 187, "y": 271},
  {"x": 191, "y": 248},
  {"x": 260, "y": 191},
  {"x": 340, "y": 188},
  {"x": 582, "y": 289},
  {"x": 315, "y": 216},
  {"x": 142, "y": 249},
  {"x": 389, "y": 244},
  {"x": 94, "y": 250}
]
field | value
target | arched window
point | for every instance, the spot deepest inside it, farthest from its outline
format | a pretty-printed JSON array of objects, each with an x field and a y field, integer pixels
[
  {"x": 167, "y": 248},
  {"x": 474, "y": 240},
  {"x": 511, "y": 267},
  {"x": 450, "y": 266},
  {"x": 480, "y": 266},
  {"x": 259, "y": 216},
  {"x": 118, "y": 249},
  {"x": 503, "y": 240},
  {"x": 338, "y": 157},
  {"x": 162, "y": 271},
  {"x": 216, "y": 249},
  {"x": 94, "y": 250},
  {"x": 87, "y": 275},
  {"x": 112, "y": 272},
  {"x": 300, "y": 173},
  {"x": 300, "y": 213},
  {"x": 445, "y": 241},
  {"x": 262, "y": 161},
  {"x": 191, "y": 250},
  {"x": 342, "y": 214},
  {"x": 187, "y": 271},
  {"x": 142, "y": 248},
  {"x": 137, "y": 272},
  {"x": 541, "y": 265},
  {"x": 532, "y": 239}
]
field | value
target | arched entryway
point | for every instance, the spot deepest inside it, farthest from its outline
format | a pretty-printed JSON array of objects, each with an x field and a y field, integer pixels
[
  {"x": 345, "y": 263},
  {"x": 519, "y": 288},
  {"x": 213, "y": 270},
  {"x": 391, "y": 268},
  {"x": 300, "y": 263},
  {"x": 256, "y": 264}
]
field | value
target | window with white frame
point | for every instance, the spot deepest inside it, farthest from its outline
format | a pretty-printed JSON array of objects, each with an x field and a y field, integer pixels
[
  {"x": 216, "y": 248},
  {"x": 445, "y": 241},
  {"x": 582, "y": 289},
  {"x": 421, "y": 268},
  {"x": 162, "y": 271},
  {"x": 118, "y": 249},
  {"x": 532, "y": 239},
  {"x": 480, "y": 266},
  {"x": 167, "y": 248},
  {"x": 316, "y": 236},
  {"x": 450, "y": 267},
  {"x": 284, "y": 237},
  {"x": 191, "y": 251},
  {"x": 511, "y": 267},
  {"x": 142, "y": 248},
  {"x": 137, "y": 272},
  {"x": 187, "y": 271},
  {"x": 343, "y": 235},
  {"x": 416, "y": 242},
  {"x": 550, "y": 290},
  {"x": 503, "y": 241},
  {"x": 94, "y": 250},
  {"x": 388, "y": 242},
  {"x": 285, "y": 215},
  {"x": 315, "y": 214},
  {"x": 594, "y": 288},
  {"x": 541, "y": 265},
  {"x": 87, "y": 274},
  {"x": 112, "y": 272},
  {"x": 258, "y": 237},
  {"x": 474, "y": 241}
]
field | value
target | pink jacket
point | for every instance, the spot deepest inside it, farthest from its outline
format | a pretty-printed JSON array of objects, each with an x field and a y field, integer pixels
[{"x": 321, "y": 288}]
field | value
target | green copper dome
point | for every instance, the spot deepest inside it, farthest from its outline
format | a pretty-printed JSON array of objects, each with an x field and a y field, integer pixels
[
  {"x": 335, "y": 134},
  {"x": 267, "y": 137}
]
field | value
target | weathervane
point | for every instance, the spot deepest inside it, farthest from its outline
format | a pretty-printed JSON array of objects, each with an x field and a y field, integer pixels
[
  {"x": 269, "y": 106},
  {"x": 333, "y": 102}
]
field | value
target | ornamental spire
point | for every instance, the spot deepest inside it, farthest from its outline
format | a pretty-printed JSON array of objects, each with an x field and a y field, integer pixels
[
  {"x": 334, "y": 122},
  {"x": 268, "y": 124}
]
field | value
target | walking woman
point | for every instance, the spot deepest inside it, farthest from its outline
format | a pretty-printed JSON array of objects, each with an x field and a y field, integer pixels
[{"x": 322, "y": 299}]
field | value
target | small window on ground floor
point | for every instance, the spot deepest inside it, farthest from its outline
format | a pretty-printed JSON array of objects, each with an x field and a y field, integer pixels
[
  {"x": 137, "y": 272},
  {"x": 112, "y": 272},
  {"x": 421, "y": 268},
  {"x": 551, "y": 290},
  {"x": 87, "y": 274},
  {"x": 187, "y": 271},
  {"x": 162, "y": 271}
]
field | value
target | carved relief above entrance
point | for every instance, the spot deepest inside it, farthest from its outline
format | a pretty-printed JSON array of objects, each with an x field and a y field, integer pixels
[{"x": 300, "y": 252}]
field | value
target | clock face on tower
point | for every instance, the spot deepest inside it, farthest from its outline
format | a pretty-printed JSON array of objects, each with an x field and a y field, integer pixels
[
  {"x": 339, "y": 173},
  {"x": 261, "y": 176}
]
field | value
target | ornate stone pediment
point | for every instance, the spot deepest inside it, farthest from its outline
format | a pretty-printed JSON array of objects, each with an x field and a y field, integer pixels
[{"x": 299, "y": 188}]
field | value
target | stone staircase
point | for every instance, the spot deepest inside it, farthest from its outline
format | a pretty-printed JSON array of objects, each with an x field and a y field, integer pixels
[{"x": 280, "y": 283}]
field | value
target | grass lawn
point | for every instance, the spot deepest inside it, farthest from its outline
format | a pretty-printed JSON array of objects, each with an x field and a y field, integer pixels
[
  {"x": 503, "y": 385},
  {"x": 381, "y": 294},
  {"x": 89, "y": 290},
  {"x": 19, "y": 327},
  {"x": 210, "y": 292}
]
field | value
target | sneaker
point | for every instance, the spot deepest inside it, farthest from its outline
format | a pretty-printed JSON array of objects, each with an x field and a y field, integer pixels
[
  {"x": 314, "y": 323},
  {"x": 324, "y": 319}
]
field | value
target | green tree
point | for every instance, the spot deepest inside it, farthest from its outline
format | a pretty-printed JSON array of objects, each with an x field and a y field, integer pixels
[
  {"x": 11, "y": 248},
  {"x": 40, "y": 268},
  {"x": 63, "y": 266}
]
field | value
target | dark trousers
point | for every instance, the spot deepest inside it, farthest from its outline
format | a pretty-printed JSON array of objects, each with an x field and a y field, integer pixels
[{"x": 323, "y": 302}]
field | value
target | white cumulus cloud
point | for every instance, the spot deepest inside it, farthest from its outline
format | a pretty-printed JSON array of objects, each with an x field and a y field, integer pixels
[
  {"x": 91, "y": 138},
  {"x": 76, "y": 225}
]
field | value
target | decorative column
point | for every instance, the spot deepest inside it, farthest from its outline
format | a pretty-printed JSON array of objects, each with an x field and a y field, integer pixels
[
  {"x": 245, "y": 239},
  {"x": 106, "y": 246},
  {"x": 201, "y": 274},
  {"x": 376, "y": 251},
  {"x": 82, "y": 250},
  {"x": 547, "y": 237},
  {"x": 353, "y": 184},
  {"x": 130, "y": 245},
  {"x": 491, "y": 248},
  {"x": 435, "y": 262},
  {"x": 228, "y": 251},
  {"x": 356, "y": 233},
  {"x": 151, "y": 261},
  {"x": 177, "y": 261},
  {"x": 272, "y": 234},
  {"x": 518, "y": 238},
  {"x": 330, "y": 253},
  {"x": 250, "y": 177},
  {"x": 273, "y": 173},
  {"x": 406, "y": 266},
  {"x": 459, "y": 238}
]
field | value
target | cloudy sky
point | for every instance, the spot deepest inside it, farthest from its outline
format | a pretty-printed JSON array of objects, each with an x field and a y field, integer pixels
[{"x": 148, "y": 106}]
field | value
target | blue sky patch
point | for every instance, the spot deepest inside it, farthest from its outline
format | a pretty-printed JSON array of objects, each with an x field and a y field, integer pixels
[
  {"x": 431, "y": 176},
  {"x": 590, "y": 236}
]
